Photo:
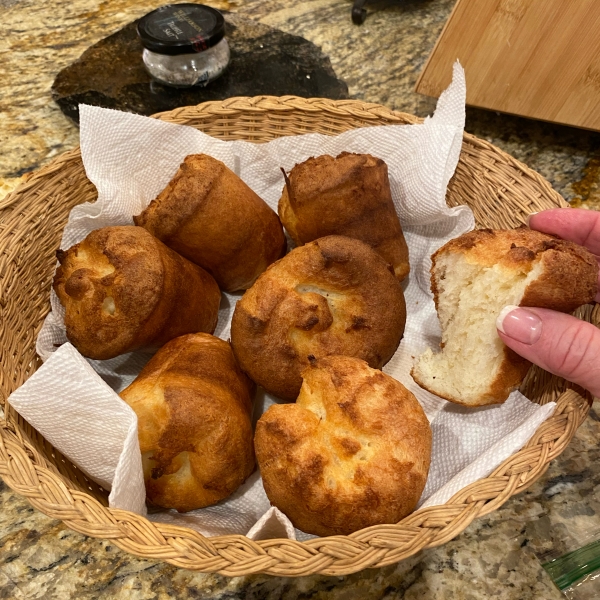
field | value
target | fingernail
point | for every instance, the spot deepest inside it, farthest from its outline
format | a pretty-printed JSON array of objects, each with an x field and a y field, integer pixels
[
  {"x": 520, "y": 324},
  {"x": 528, "y": 217}
]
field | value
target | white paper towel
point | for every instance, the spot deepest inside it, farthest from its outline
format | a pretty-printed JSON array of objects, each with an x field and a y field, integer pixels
[
  {"x": 130, "y": 159},
  {"x": 74, "y": 409}
]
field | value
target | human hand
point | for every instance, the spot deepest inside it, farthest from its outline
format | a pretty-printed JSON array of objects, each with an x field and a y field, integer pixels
[{"x": 559, "y": 343}]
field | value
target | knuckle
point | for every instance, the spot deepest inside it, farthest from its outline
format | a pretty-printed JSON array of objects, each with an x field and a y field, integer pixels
[
  {"x": 591, "y": 237},
  {"x": 576, "y": 353}
]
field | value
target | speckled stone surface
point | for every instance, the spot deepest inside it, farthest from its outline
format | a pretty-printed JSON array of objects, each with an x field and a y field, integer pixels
[
  {"x": 497, "y": 556},
  {"x": 264, "y": 61},
  {"x": 380, "y": 61}
]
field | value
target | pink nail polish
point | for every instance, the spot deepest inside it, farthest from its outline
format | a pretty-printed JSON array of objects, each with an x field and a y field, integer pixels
[
  {"x": 528, "y": 217},
  {"x": 520, "y": 324}
]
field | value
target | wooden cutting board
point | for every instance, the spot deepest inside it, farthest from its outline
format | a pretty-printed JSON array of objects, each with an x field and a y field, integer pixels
[{"x": 534, "y": 58}]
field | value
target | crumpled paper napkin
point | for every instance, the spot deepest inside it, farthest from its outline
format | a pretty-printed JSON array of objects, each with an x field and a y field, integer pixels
[{"x": 130, "y": 159}]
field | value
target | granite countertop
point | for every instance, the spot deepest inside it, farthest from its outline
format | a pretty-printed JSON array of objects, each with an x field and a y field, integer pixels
[{"x": 497, "y": 556}]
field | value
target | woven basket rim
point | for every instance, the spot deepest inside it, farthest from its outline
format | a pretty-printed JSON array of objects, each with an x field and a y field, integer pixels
[{"x": 27, "y": 471}]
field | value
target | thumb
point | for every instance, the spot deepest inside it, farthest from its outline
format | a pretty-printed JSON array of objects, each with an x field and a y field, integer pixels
[{"x": 558, "y": 343}]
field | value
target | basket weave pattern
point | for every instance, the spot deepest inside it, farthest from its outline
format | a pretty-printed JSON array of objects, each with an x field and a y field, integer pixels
[{"x": 501, "y": 192}]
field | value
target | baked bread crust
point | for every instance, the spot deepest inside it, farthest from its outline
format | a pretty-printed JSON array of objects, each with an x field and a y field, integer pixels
[
  {"x": 123, "y": 289},
  {"x": 352, "y": 452},
  {"x": 568, "y": 279},
  {"x": 347, "y": 195},
  {"x": 211, "y": 217},
  {"x": 332, "y": 296},
  {"x": 193, "y": 405}
]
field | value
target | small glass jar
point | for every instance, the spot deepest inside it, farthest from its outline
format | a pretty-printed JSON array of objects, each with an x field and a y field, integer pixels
[{"x": 184, "y": 44}]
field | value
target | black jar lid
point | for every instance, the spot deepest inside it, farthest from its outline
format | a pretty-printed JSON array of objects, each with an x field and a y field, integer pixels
[{"x": 181, "y": 29}]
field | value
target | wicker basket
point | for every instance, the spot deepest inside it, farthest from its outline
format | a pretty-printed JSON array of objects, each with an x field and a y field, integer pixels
[{"x": 499, "y": 189}]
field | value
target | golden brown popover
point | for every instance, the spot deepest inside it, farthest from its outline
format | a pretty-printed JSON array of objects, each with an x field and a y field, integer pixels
[
  {"x": 476, "y": 275},
  {"x": 123, "y": 289},
  {"x": 193, "y": 405},
  {"x": 353, "y": 451},
  {"x": 209, "y": 215},
  {"x": 335, "y": 295},
  {"x": 346, "y": 195}
]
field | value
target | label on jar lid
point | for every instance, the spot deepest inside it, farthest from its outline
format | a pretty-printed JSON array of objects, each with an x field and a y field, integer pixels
[{"x": 181, "y": 29}]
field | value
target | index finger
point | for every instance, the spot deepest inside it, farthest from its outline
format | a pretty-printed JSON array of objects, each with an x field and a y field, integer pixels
[{"x": 574, "y": 224}]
